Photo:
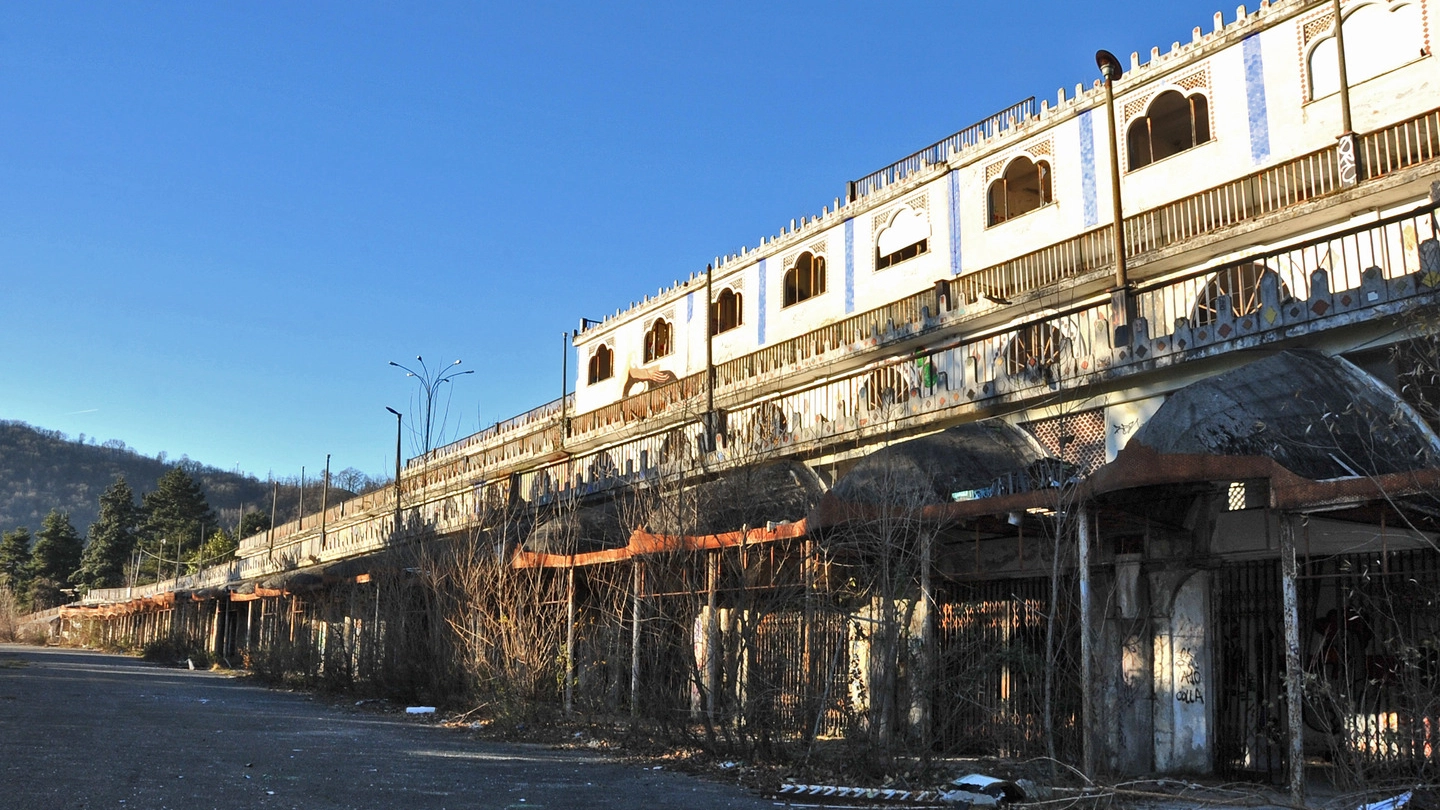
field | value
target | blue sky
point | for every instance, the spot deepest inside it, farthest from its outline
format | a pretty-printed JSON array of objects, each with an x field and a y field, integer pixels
[{"x": 220, "y": 222}]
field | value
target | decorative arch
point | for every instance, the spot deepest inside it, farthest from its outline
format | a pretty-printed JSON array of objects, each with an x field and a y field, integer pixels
[
  {"x": 769, "y": 425},
  {"x": 727, "y": 312},
  {"x": 1242, "y": 285},
  {"x": 1173, "y": 122},
  {"x": 905, "y": 236},
  {"x": 805, "y": 279},
  {"x": 602, "y": 364},
  {"x": 676, "y": 448},
  {"x": 1024, "y": 186},
  {"x": 659, "y": 340},
  {"x": 1379, "y": 37},
  {"x": 1034, "y": 349}
]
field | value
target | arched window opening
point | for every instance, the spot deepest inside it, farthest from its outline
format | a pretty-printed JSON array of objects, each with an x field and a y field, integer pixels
[
  {"x": 602, "y": 364},
  {"x": 907, "y": 236},
  {"x": 1172, "y": 124},
  {"x": 1023, "y": 187},
  {"x": 1033, "y": 349},
  {"x": 658, "y": 340},
  {"x": 676, "y": 448},
  {"x": 768, "y": 425},
  {"x": 806, "y": 279},
  {"x": 1379, "y": 37},
  {"x": 887, "y": 386},
  {"x": 726, "y": 312},
  {"x": 1242, "y": 284}
]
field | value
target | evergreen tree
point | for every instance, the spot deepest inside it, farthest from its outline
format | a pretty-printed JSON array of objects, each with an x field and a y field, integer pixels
[
  {"x": 56, "y": 553},
  {"x": 15, "y": 562},
  {"x": 254, "y": 523},
  {"x": 112, "y": 538},
  {"x": 219, "y": 549},
  {"x": 175, "y": 513}
]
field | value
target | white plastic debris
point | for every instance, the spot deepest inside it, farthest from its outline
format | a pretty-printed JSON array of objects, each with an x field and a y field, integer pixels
[
  {"x": 990, "y": 786},
  {"x": 1394, "y": 803},
  {"x": 190, "y": 663},
  {"x": 419, "y": 709}
]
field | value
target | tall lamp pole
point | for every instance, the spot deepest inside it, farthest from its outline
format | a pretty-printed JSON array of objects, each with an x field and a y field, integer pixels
[
  {"x": 1110, "y": 69},
  {"x": 398, "y": 419},
  {"x": 430, "y": 381}
]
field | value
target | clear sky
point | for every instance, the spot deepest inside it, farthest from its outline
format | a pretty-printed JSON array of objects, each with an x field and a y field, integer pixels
[{"x": 220, "y": 221}]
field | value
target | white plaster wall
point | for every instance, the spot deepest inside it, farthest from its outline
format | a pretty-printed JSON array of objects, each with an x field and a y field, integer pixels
[
  {"x": 1294, "y": 127},
  {"x": 1183, "y": 679},
  {"x": 983, "y": 245},
  {"x": 1225, "y": 155}
]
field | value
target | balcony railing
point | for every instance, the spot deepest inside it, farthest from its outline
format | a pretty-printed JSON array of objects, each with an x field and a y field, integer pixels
[{"x": 939, "y": 152}]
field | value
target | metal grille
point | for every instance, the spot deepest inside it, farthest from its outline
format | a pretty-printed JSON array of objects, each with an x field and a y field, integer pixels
[
  {"x": 1251, "y": 713},
  {"x": 990, "y": 694},
  {"x": 1372, "y": 698},
  {"x": 800, "y": 672},
  {"x": 1075, "y": 438}
]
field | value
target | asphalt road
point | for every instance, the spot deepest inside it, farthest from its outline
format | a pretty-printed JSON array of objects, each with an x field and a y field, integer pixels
[{"x": 90, "y": 730}]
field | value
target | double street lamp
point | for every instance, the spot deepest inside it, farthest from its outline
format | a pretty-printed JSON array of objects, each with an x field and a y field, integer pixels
[{"x": 430, "y": 381}]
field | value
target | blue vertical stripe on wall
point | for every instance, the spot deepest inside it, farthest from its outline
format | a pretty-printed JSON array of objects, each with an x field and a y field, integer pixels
[
  {"x": 954, "y": 223},
  {"x": 1087, "y": 170},
  {"x": 760, "y": 308},
  {"x": 1255, "y": 99},
  {"x": 849, "y": 266},
  {"x": 689, "y": 307}
]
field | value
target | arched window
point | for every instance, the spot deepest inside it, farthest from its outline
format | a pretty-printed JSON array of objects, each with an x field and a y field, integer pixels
[
  {"x": 1034, "y": 349},
  {"x": 1172, "y": 124},
  {"x": 806, "y": 279},
  {"x": 657, "y": 340},
  {"x": 1379, "y": 37},
  {"x": 1023, "y": 187},
  {"x": 1242, "y": 285},
  {"x": 907, "y": 236},
  {"x": 726, "y": 312},
  {"x": 602, "y": 364}
]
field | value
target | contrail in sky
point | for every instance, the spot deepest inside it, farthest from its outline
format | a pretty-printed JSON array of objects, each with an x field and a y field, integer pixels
[{"x": 87, "y": 410}]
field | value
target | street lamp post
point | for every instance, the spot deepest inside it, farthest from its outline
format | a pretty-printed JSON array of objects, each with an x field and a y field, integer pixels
[
  {"x": 398, "y": 420},
  {"x": 1110, "y": 70},
  {"x": 430, "y": 380},
  {"x": 1122, "y": 305}
]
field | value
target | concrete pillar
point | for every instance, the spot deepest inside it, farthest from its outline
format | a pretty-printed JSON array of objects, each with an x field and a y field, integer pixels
[
  {"x": 1182, "y": 671},
  {"x": 1294, "y": 674}
]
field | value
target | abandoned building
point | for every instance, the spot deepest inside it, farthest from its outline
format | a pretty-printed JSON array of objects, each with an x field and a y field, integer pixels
[{"x": 1080, "y": 428}]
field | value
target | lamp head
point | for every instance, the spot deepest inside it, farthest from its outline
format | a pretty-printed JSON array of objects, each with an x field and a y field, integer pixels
[{"x": 1108, "y": 64}]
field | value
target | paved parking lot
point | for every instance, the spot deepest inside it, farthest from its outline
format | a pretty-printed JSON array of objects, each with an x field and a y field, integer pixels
[{"x": 90, "y": 730}]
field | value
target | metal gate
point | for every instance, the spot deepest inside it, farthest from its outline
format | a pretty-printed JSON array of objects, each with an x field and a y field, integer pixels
[
  {"x": 1250, "y": 716},
  {"x": 1371, "y": 630},
  {"x": 990, "y": 693}
]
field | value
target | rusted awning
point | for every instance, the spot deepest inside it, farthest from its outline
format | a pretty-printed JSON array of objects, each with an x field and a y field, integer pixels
[{"x": 644, "y": 543}]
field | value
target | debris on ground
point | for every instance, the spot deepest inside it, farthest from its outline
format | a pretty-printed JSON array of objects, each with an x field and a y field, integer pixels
[
  {"x": 419, "y": 709},
  {"x": 1393, "y": 803},
  {"x": 795, "y": 790}
]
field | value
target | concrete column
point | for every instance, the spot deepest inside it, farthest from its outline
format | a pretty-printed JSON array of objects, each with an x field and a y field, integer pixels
[
  {"x": 712, "y": 632},
  {"x": 636, "y": 584},
  {"x": 1088, "y": 719},
  {"x": 570, "y": 639},
  {"x": 1294, "y": 675}
]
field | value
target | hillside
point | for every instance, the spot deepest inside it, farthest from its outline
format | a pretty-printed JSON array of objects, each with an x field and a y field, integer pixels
[{"x": 43, "y": 469}]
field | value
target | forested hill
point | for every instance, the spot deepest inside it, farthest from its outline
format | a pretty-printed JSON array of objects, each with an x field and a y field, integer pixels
[{"x": 43, "y": 469}]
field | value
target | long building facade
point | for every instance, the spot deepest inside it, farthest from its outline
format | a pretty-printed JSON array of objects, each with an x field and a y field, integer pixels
[{"x": 981, "y": 456}]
